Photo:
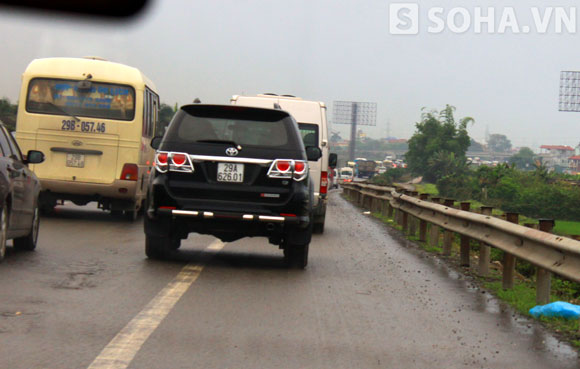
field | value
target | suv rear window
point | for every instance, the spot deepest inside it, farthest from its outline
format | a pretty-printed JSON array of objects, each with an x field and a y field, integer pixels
[{"x": 242, "y": 126}]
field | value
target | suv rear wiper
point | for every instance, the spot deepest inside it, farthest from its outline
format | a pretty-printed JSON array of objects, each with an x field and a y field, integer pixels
[
  {"x": 229, "y": 142},
  {"x": 61, "y": 110}
]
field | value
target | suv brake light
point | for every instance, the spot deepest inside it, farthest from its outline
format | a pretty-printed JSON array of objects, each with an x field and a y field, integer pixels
[
  {"x": 283, "y": 165},
  {"x": 324, "y": 183},
  {"x": 286, "y": 169},
  {"x": 130, "y": 172},
  {"x": 173, "y": 161}
]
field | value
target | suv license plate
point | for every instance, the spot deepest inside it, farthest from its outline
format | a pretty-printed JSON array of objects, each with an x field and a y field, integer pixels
[
  {"x": 230, "y": 172},
  {"x": 75, "y": 160}
]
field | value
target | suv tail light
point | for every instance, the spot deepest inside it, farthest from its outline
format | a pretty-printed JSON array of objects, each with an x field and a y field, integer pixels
[
  {"x": 300, "y": 170},
  {"x": 283, "y": 166},
  {"x": 178, "y": 159},
  {"x": 286, "y": 169},
  {"x": 130, "y": 172},
  {"x": 324, "y": 183},
  {"x": 173, "y": 161}
]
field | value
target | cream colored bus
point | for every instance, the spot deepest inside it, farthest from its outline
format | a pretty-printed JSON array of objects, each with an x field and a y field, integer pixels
[{"x": 94, "y": 120}]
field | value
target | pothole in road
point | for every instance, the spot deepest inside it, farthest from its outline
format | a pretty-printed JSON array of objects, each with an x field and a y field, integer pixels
[
  {"x": 82, "y": 277},
  {"x": 77, "y": 281}
]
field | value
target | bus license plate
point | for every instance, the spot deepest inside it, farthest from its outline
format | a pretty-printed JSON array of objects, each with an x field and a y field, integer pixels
[
  {"x": 230, "y": 172},
  {"x": 75, "y": 160}
]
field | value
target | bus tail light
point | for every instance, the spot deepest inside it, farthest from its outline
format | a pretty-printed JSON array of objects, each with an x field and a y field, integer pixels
[
  {"x": 324, "y": 183},
  {"x": 130, "y": 172}
]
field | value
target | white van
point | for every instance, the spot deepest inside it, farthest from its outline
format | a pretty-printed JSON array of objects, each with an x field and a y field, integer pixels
[{"x": 311, "y": 118}]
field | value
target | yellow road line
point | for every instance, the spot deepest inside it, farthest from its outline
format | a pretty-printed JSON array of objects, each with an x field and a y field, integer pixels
[{"x": 119, "y": 353}]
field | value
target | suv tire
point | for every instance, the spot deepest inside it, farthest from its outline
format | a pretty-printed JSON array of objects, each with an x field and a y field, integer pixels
[
  {"x": 318, "y": 228},
  {"x": 157, "y": 247},
  {"x": 296, "y": 256}
]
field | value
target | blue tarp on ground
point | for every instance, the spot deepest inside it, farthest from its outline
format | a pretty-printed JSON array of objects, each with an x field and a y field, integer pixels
[{"x": 558, "y": 309}]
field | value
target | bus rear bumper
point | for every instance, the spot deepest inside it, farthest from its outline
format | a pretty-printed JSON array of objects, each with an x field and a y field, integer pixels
[{"x": 119, "y": 195}]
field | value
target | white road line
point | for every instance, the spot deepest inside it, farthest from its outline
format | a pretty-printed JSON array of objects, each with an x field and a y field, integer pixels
[{"x": 119, "y": 353}]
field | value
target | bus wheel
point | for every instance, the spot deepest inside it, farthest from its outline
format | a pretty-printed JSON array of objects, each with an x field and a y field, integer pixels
[
  {"x": 116, "y": 213},
  {"x": 131, "y": 215}
]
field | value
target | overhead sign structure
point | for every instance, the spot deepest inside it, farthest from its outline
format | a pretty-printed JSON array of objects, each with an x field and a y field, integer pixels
[
  {"x": 356, "y": 114},
  {"x": 569, "y": 91}
]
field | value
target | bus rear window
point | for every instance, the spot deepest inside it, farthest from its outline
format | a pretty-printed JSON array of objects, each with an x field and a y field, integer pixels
[{"x": 80, "y": 98}]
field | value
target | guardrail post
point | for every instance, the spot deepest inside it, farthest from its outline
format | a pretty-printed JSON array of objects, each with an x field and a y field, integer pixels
[
  {"x": 366, "y": 202},
  {"x": 448, "y": 235},
  {"x": 434, "y": 233},
  {"x": 509, "y": 261},
  {"x": 544, "y": 277},
  {"x": 372, "y": 204},
  {"x": 423, "y": 223},
  {"x": 464, "y": 243},
  {"x": 412, "y": 219},
  {"x": 390, "y": 209},
  {"x": 400, "y": 213},
  {"x": 405, "y": 221},
  {"x": 484, "y": 249},
  {"x": 405, "y": 216},
  {"x": 384, "y": 204}
]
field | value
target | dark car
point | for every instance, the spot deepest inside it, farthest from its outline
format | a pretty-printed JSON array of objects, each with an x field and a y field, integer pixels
[
  {"x": 19, "y": 189},
  {"x": 231, "y": 172}
]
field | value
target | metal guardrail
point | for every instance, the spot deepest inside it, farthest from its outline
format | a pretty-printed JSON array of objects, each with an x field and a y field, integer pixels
[{"x": 548, "y": 252}]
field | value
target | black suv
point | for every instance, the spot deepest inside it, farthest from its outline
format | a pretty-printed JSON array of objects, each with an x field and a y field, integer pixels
[{"x": 231, "y": 172}]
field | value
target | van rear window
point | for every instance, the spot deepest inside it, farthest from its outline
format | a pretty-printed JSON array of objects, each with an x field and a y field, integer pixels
[
  {"x": 81, "y": 98},
  {"x": 309, "y": 133}
]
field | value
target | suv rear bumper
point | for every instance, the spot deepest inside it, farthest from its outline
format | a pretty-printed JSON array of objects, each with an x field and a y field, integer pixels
[
  {"x": 229, "y": 216},
  {"x": 170, "y": 216}
]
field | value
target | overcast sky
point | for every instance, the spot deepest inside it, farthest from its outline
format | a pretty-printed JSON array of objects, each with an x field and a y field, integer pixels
[{"x": 327, "y": 50}]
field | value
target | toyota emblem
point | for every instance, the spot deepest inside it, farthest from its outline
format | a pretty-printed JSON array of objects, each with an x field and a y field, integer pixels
[{"x": 231, "y": 151}]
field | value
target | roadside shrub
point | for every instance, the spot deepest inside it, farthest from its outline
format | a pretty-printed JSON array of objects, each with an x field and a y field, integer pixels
[{"x": 391, "y": 176}]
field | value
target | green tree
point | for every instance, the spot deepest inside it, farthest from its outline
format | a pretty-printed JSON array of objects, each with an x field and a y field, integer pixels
[
  {"x": 475, "y": 146},
  {"x": 8, "y": 113},
  {"x": 499, "y": 143},
  {"x": 437, "y": 136},
  {"x": 524, "y": 159},
  {"x": 166, "y": 113}
]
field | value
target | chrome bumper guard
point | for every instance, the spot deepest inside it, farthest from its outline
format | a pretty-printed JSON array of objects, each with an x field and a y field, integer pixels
[{"x": 231, "y": 216}]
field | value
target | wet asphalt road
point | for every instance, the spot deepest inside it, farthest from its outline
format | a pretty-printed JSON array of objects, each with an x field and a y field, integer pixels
[{"x": 366, "y": 300}]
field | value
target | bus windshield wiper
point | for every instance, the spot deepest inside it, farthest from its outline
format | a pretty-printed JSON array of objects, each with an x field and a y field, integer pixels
[{"x": 61, "y": 110}]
